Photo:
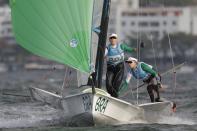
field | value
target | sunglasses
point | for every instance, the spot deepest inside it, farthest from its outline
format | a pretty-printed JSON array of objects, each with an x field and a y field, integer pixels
[
  {"x": 113, "y": 38},
  {"x": 129, "y": 62}
]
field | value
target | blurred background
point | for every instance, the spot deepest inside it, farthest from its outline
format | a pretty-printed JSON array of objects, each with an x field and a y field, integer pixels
[
  {"x": 159, "y": 24},
  {"x": 156, "y": 23}
]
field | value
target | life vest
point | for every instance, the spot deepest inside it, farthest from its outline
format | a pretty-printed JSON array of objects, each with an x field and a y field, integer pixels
[
  {"x": 115, "y": 55},
  {"x": 138, "y": 72}
]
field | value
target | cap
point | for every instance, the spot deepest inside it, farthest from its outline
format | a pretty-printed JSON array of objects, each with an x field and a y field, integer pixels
[
  {"x": 131, "y": 59},
  {"x": 113, "y": 35}
]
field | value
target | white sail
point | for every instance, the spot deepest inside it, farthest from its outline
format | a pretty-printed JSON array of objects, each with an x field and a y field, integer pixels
[{"x": 82, "y": 78}]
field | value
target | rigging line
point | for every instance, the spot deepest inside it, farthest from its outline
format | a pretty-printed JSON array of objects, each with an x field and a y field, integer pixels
[
  {"x": 154, "y": 53},
  {"x": 175, "y": 68},
  {"x": 171, "y": 51},
  {"x": 62, "y": 88},
  {"x": 137, "y": 57},
  {"x": 172, "y": 57},
  {"x": 175, "y": 84},
  {"x": 132, "y": 94},
  {"x": 152, "y": 42},
  {"x": 138, "y": 50}
]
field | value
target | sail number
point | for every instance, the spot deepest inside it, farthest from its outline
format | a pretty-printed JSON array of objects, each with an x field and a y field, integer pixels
[
  {"x": 101, "y": 104},
  {"x": 86, "y": 102}
]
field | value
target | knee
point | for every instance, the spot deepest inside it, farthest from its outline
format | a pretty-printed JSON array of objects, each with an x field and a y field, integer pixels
[
  {"x": 156, "y": 88},
  {"x": 149, "y": 88}
]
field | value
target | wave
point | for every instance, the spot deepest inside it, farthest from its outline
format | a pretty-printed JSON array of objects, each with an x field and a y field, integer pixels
[
  {"x": 28, "y": 115},
  {"x": 176, "y": 120}
]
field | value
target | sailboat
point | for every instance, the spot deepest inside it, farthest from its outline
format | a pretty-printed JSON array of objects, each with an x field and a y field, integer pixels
[{"x": 62, "y": 30}]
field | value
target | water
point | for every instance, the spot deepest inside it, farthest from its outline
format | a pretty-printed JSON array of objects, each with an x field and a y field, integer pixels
[{"x": 21, "y": 113}]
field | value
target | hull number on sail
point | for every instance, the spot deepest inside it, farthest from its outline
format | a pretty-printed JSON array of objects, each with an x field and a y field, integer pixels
[
  {"x": 86, "y": 102},
  {"x": 101, "y": 104}
]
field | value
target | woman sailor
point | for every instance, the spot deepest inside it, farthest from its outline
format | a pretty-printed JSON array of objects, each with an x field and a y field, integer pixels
[
  {"x": 115, "y": 64},
  {"x": 144, "y": 72}
]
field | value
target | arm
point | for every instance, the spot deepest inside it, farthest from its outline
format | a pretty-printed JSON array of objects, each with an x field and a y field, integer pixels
[
  {"x": 124, "y": 85},
  {"x": 126, "y": 48},
  {"x": 106, "y": 52},
  {"x": 147, "y": 69},
  {"x": 128, "y": 77}
]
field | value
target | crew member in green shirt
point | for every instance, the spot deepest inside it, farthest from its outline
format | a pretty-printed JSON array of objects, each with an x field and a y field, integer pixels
[
  {"x": 115, "y": 64},
  {"x": 144, "y": 72}
]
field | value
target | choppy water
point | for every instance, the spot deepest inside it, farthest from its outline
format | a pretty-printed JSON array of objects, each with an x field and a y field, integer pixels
[{"x": 20, "y": 113}]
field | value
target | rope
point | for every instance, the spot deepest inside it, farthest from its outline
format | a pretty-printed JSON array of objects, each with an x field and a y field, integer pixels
[
  {"x": 173, "y": 65},
  {"x": 152, "y": 42},
  {"x": 172, "y": 57},
  {"x": 62, "y": 88},
  {"x": 154, "y": 53},
  {"x": 138, "y": 54},
  {"x": 44, "y": 77}
]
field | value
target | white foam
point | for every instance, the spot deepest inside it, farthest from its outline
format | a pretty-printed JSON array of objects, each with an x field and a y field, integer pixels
[
  {"x": 176, "y": 120},
  {"x": 11, "y": 123},
  {"x": 27, "y": 116}
]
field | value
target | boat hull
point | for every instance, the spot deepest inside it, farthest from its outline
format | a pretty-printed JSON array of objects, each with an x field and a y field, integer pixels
[
  {"x": 46, "y": 97},
  {"x": 87, "y": 109},
  {"x": 104, "y": 109}
]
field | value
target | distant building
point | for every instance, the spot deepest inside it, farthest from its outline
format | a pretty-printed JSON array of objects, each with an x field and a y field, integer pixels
[
  {"x": 115, "y": 4},
  {"x": 5, "y": 25},
  {"x": 154, "y": 21}
]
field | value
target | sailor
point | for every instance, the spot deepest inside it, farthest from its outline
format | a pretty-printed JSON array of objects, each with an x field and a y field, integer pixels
[
  {"x": 114, "y": 53},
  {"x": 144, "y": 72}
]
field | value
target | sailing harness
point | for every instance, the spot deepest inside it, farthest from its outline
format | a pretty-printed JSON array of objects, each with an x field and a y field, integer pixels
[{"x": 114, "y": 55}]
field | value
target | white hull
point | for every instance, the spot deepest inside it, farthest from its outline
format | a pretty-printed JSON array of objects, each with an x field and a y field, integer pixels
[
  {"x": 45, "y": 97},
  {"x": 101, "y": 109}
]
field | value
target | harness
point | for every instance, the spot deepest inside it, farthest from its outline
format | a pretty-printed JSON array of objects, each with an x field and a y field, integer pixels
[
  {"x": 115, "y": 55},
  {"x": 138, "y": 72}
]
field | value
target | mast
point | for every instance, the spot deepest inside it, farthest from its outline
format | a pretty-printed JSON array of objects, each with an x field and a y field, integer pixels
[{"x": 102, "y": 43}]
